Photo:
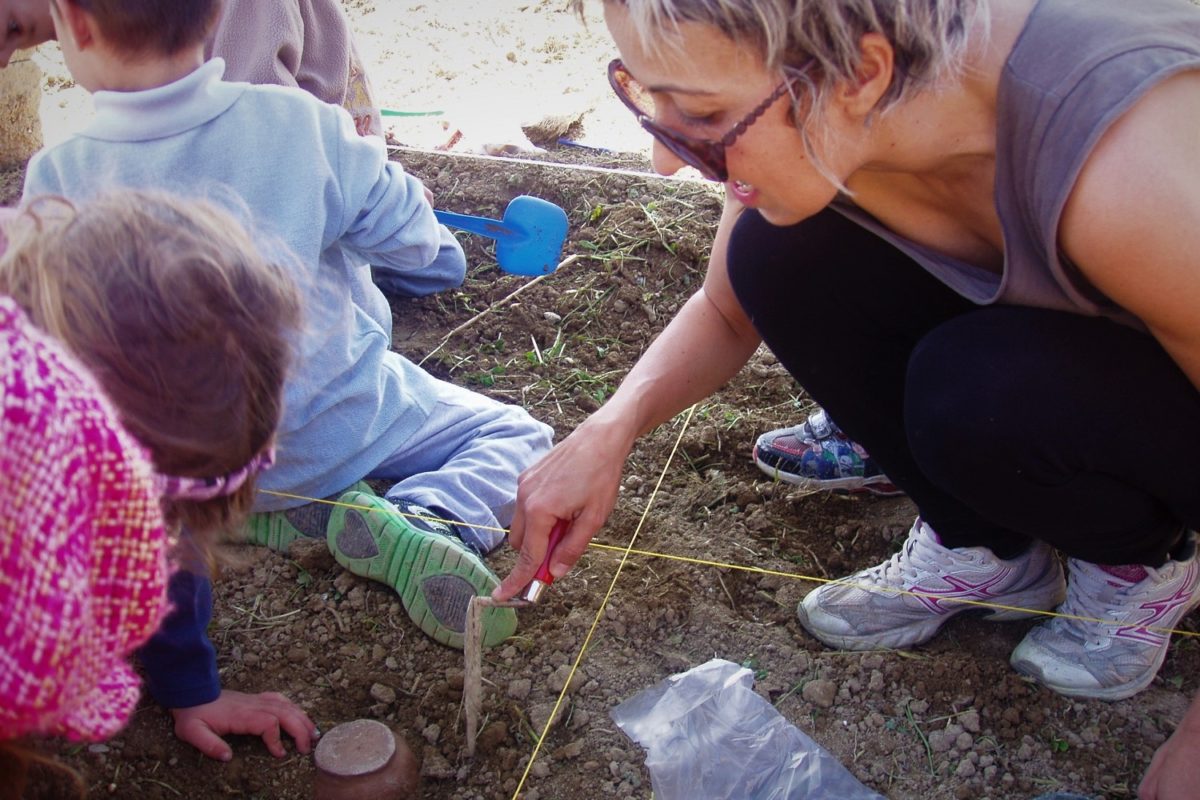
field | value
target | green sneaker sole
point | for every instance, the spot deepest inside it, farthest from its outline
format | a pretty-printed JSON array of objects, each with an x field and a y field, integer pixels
[
  {"x": 276, "y": 530},
  {"x": 436, "y": 576}
]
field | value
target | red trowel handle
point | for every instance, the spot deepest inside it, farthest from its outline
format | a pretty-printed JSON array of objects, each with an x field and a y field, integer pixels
[{"x": 542, "y": 578}]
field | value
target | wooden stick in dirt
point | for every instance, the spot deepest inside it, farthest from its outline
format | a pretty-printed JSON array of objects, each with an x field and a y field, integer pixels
[
  {"x": 569, "y": 259},
  {"x": 473, "y": 670}
]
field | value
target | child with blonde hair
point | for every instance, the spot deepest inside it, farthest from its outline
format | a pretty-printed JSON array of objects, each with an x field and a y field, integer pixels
[
  {"x": 147, "y": 342},
  {"x": 355, "y": 409}
]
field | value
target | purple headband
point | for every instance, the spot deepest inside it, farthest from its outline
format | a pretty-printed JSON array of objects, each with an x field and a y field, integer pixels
[{"x": 201, "y": 489}]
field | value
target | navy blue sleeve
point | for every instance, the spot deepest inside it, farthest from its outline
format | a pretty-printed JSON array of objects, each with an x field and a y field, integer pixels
[
  {"x": 179, "y": 661},
  {"x": 447, "y": 270}
]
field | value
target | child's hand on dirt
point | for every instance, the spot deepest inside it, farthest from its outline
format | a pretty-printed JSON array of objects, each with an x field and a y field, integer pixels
[{"x": 266, "y": 715}]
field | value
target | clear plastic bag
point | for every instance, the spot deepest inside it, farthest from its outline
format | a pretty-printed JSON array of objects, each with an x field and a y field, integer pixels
[{"x": 708, "y": 736}]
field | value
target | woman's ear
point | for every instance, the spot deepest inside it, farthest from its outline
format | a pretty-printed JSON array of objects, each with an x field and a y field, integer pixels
[{"x": 860, "y": 95}]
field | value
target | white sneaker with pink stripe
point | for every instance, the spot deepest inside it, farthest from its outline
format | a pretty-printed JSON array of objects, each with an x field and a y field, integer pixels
[
  {"x": 906, "y": 599},
  {"x": 1115, "y": 630}
]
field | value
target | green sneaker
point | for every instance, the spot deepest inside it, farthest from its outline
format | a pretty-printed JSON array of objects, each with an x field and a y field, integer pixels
[
  {"x": 435, "y": 574},
  {"x": 278, "y": 529}
]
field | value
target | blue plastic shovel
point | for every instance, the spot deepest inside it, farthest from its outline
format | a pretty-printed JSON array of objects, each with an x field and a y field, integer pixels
[{"x": 529, "y": 238}]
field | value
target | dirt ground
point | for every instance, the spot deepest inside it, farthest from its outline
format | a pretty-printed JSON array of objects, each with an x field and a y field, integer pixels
[{"x": 948, "y": 720}]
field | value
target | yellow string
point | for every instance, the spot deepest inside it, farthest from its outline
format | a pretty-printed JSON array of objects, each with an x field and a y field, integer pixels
[
  {"x": 764, "y": 571},
  {"x": 604, "y": 602},
  {"x": 629, "y": 550}
]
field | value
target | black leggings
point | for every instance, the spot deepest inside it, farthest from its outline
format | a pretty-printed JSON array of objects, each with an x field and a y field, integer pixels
[{"x": 1002, "y": 423}]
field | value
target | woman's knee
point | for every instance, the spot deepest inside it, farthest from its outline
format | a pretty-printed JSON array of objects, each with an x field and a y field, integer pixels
[{"x": 966, "y": 408}]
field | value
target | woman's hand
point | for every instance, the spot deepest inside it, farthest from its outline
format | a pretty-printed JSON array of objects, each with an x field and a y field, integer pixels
[
  {"x": 704, "y": 346},
  {"x": 577, "y": 481}
]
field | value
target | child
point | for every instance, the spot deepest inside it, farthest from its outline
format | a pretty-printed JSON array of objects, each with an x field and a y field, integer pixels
[
  {"x": 353, "y": 407},
  {"x": 302, "y": 43},
  {"x": 75, "y": 491},
  {"x": 88, "y": 514}
]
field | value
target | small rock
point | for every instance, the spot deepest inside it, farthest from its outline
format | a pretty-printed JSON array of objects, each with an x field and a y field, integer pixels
[
  {"x": 432, "y": 733},
  {"x": 435, "y": 766},
  {"x": 820, "y": 693},
  {"x": 357, "y": 597},
  {"x": 344, "y": 582},
  {"x": 493, "y": 736},
  {"x": 965, "y": 769},
  {"x": 312, "y": 555},
  {"x": 540, "y": 713},
  {"x": 550, "y": 316},
  {"x": 519, "y": 688},
  {"x": 571, "y": 750},
  {"x": 970, "y": 721},
  {"x": 939, "y": 742},
  {"x": 560, "y": 676},
  {"x": 383, "y": 694}
]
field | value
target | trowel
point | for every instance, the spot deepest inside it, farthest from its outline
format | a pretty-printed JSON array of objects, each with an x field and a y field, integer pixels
[{"x": 529, "y": 237}]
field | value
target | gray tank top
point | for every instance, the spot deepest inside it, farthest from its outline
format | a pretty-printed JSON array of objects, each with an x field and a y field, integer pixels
[{"x": 1076, "y": 67}]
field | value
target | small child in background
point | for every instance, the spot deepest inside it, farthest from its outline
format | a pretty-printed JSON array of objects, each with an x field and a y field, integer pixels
[
  {"x": 307, "y": 44},
  {"x": 354, "y": 408},
  {"x": 303, "y": 43},
  {"x": 146, "y": 344}
]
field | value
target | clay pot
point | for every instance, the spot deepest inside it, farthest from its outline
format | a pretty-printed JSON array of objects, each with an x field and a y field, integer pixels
[{"x": 365, "y": 760}]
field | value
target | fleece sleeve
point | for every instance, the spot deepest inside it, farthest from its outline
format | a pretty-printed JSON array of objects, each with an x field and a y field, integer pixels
[
  {"x": 41, "y": 177},
  {"x": 387, "y": 220},
  {"x": 179, "y": 661},
  {"x": 262, "y": 43}
]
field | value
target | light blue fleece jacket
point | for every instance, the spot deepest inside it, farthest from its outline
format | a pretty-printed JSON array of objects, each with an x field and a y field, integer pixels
[{"x": 311, "y": 182}]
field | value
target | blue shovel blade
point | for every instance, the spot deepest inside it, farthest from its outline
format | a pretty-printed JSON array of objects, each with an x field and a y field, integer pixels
[{"x": 529, "y": 237}]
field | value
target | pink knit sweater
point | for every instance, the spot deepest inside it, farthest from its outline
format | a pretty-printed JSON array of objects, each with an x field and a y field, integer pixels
[{"x": 82, "y": 545}]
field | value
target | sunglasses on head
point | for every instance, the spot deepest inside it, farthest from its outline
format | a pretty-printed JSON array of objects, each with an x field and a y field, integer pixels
[{"x": 706, "y": 155}]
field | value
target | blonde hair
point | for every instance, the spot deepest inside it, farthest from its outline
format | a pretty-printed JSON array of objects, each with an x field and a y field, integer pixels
[
  {"x": 185, "y": 325},
  {"x": 816, "y": 43}
]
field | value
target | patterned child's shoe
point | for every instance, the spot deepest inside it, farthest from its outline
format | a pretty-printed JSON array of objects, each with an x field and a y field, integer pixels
[
  {"x": 816, "y": 455},
  {"x": 278, "y": 529},
  {"x": 435, "y": 574}
]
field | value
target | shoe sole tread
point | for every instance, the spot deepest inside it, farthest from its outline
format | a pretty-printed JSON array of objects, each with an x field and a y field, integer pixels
[{"x": 415, "y": 564}]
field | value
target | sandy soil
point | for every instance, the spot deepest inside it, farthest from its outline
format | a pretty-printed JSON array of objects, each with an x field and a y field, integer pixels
[{"x": 948, "y": 720}]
